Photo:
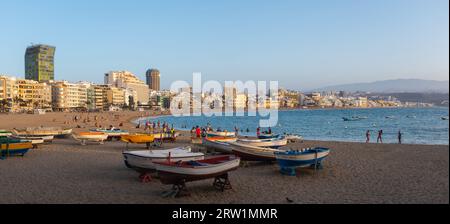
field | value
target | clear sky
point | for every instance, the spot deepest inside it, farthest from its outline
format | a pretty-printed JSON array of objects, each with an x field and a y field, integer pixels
[{"x": 302, "y": 44}]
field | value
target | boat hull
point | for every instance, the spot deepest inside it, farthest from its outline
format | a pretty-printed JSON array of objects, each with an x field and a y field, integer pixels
[
  {"x": 271, "y": 143},
  {"x": 170, "y": 174},
  {"x": 138, "y": 139},
  {"x": 221, "y": 134},
  {"x": 253, "y": 153},
  {"x": 14, "y": 149},
  {"x": 146, "y": 164},
  {"x": 223, "y": 147},
  {"x": 301, "y": 160}
]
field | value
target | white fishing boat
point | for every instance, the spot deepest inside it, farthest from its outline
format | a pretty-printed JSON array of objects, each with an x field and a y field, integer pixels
[
  {"x": 218, "y": 145},
  {"x": 5, "y": 133},
  {"x": 84, "y": 137},
  {"x": 34, "y": 140},
  {"x": 254, "y": 153},
  {"x": 271, "y": 143},
  {"x": 290, "y": 160},
  {"x": 182, "y": 172},
  {"x": 221, "y": 134},
  {"x": 112, "y": 133},
  {"x": 143, "y": 161}
]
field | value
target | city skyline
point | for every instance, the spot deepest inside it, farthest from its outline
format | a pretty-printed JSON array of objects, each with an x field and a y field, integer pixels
[{"x": 309, "y": 45}]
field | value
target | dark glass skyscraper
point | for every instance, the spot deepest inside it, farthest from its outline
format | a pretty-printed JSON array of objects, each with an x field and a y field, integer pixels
[
  {"x": 154, "y": 79},
  {"x": 39, "y": 63}
]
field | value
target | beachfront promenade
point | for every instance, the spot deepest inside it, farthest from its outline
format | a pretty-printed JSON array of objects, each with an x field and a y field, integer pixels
[{"x": 65, "y": 172}]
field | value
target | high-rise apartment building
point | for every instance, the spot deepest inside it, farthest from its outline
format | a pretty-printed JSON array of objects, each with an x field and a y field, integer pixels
[
  {"x": 130, "y": 82},
  {"x": 154, "y": 79},
  {"x": 40, "y": 63},
  {"x": 69, "y": 96}
]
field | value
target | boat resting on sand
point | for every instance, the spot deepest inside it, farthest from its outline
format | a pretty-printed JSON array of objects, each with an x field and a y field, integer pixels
[
  {"x": 138, "y": 138},
  {"x": 14, "y": 147},
  {"x": 221, "y": 134},
  {"x": 43, "y": 131},
  {"x": 178, "y": 173},
  {"x": 290, "y": 160},
  {"x": 143, "y": 161},
  {"x": 34, "y": 140},
  {"x": 116, "y": 133},
  {"x": 84, "y": 137},
  {"x": 268, "y": 136},
  {"x": 270, "y": 143},
  {"x": 219, "y": 145},
  {"x": 253, "y": 153},
  {"x": 5, "y": 133}
]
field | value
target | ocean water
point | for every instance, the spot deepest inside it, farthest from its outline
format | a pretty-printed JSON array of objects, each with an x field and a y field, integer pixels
[{"x": 418, "y": 125}]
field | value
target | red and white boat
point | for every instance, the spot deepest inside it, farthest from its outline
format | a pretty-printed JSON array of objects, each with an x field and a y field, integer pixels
[{"x": 174, "y": 173}]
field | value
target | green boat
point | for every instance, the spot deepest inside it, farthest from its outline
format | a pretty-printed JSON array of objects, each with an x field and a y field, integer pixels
[{"x": 4, "y": 133}]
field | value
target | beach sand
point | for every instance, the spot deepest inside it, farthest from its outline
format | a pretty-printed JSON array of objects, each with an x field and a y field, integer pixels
[{"x": 66, "y": 172}]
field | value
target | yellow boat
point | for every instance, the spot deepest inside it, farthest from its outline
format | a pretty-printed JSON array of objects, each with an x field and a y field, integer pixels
[
  {"x": 13, "y": 147},
  {"x": 138, "y": 138}
]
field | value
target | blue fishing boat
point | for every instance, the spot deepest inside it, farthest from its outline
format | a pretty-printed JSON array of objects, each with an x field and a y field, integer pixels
[
  {"x": 14, "y": 147},
  {"x": 289, "y": 161}
]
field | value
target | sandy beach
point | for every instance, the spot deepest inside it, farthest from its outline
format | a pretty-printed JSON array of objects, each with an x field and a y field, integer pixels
[{"x": 66, "y": 172}]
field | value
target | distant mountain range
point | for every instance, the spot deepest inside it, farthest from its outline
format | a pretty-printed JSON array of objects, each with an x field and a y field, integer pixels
[{"x": 393, "y": 86}]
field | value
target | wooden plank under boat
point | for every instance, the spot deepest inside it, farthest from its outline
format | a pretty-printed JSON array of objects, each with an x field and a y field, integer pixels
[
  {"x": 14, "y": 147},
  {"x": 253, "y": 153},
  {"x": 173, "y": 173},
  {"x": 144, "y": 161}
]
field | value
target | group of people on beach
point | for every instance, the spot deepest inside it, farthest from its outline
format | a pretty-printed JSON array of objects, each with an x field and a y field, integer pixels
[
  {"x": 380, "y": 136},
  {"x": 152, "y": 127}
]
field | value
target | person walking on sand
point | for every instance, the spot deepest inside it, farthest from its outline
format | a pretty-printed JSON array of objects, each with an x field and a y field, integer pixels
[
  {"x": 380, "y": 136},
  {"x": 367, "y": 136},
  {"x": 400, "y": 137}
]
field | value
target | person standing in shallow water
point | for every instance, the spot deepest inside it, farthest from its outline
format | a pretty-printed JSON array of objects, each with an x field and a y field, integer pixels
[
  {"x": 380, "y": 136},
  {"x": 367, "y": 136},
  {"x": 400, "y": 137}
]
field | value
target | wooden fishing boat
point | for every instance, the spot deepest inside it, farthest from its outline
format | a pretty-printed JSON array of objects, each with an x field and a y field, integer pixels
[
  {"x": 144, "y": 161},
  {"x": 268, "y": 136},
  {"x": 178, "y": 173},
  {"x": 219, "y": 144},
  {"x": 253, "y": 153},
  {"x": 84, "y": 137},
  {"x": 112, "y": 134},
  {"x": 43, "y": 131},
  {"x": 289, "y": 161},
  {"x": 221, "y": 134},
  {"x": 5, "y": 133},
  {"x": 138, "y": 138},
  {"x": 34, "y": 140},
  {"x": 14, "y": 147},
  {"x": 270, "y": 143}
]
